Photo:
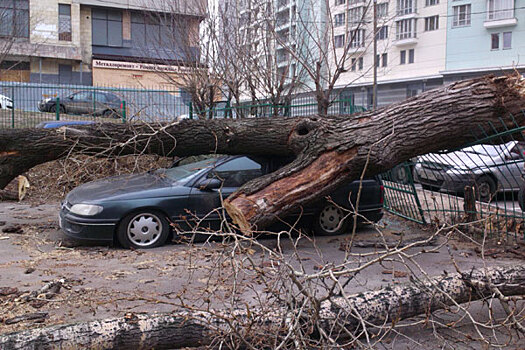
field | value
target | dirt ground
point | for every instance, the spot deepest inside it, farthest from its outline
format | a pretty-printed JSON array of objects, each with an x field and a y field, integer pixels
[{"x": 101, "y": 281}]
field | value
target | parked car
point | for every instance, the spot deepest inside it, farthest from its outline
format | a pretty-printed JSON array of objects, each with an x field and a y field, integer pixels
[
  {"x": 54, "y": 124},
  {"x": 491, "y": 168},
  {"x": 136, "y": 210},
  {"x": 97, "y": 103},
  {"x": 5, "y": 102}
]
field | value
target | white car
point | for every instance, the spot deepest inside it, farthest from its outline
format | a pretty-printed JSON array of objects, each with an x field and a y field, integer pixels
[{"x": 5, "y": 102}]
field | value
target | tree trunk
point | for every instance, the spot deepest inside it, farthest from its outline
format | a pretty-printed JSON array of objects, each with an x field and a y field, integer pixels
[
  {"x": 330, "y": 150},
  {"x": 186, "y": 329}
]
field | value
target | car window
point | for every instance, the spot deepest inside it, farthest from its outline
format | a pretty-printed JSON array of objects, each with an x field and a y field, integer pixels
[
  {"x": 101, "y": 97},
  {"x": 82, "y": 96},
  {"x": 237, "y": 172},
  {"x": 112, "y": 97},
  {"x": 183, "y": 171}
]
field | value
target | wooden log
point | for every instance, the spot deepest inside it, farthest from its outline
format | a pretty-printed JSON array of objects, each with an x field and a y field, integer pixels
[
  {"x": 192, "y": 329},
  {"x": 329, "y": 150}
]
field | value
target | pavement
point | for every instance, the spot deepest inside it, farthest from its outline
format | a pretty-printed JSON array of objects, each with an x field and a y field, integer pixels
[{"x": 102, "y": 281}]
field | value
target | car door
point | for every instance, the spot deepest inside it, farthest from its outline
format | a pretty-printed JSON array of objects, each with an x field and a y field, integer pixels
[
  {"x": 233, "y": 173},
  {"x": 80, "y": 103},
  {"x": 101, "y": 102}
]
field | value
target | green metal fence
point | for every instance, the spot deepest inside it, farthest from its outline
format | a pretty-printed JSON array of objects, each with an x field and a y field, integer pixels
[
  {"x": 480, "y": 184},
  {"x": 33, "y": 104}
]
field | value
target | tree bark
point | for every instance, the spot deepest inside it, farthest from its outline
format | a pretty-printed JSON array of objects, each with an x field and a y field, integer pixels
[
  {"x": 192, "y": 329},
  {"x": 329, "y": 150}
]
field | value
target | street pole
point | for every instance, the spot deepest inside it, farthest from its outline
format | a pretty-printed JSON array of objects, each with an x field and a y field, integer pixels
[{"x": 376, "y": 60}]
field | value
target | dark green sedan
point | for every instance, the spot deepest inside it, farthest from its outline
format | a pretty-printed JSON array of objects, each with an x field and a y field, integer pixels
[{"x": 145, "y": 210}]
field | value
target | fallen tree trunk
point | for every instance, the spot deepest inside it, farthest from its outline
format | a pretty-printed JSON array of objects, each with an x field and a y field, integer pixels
[
  {"x": 329, "y": 150},
  {"x": 192, "y": 329}
]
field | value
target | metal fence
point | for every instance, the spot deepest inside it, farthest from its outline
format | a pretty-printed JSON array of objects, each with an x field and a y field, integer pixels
[
  {"x": 36, "y": 103},
  {"x": 480, "y": 184},
  {"x": 28, "y": 105}
]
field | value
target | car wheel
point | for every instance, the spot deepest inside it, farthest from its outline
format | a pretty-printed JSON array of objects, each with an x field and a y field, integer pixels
[
  {"x": 108, "y": 113},
  {"x": 143, "y": 230},
  {"x": 400, "y": 174},
  {"x": 521, "y": 197},
  {"x": 485, "y": 188},
  {"x": 53, "y": 109},
  {"x": 330, "y": 221}
]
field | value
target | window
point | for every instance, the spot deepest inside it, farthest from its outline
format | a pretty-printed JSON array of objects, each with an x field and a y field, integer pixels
[
  {"x": 378, "y": 61},
  {"x": 406, "y": 29},
  {"x": 384, "y": 58},
  {"x": 382, "y": 33},
  {"x": 382, "y": 10},
  {"x": 404, "y": 7},
  {"x": 14, "y": 18},
  {"x": 500, "y": 9},
  {"x": 461, "y": 16},
  {"x": 357, "y": 38},
  {"x": 494, "y": 41},
  {"x": 150, "y": 30},
  {"x": 339, "y": 41},
  {"x": 414, "y": 89},
  {"x": 355, "y": 16},
  {"x": 411, "y": 54},
  {"x": 352, "y": 67},
  {"x": 361, "y": 64},
  {"x": 339, "y": 20},
  {"x": 339, "y": 2},
  {"x": 82, "y": 96},
  {"x": 106, "y": 27},
  {"x": 431, "y": 2},
  {"x": 431, "y": 23},
  {"x": 507, "y": 40},
  {"x": 64, "y": 22},
  {"x": 402, "y": 57},
  {"x": 237, "y": 172}
]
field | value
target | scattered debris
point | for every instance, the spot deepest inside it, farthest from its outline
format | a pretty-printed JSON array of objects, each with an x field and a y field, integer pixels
[
  {"x": 8, "y": 291},
  {"x": 34, "y": 316},
  {"x": 396, "y": 273},
  {"x": 13, "y": 229},
  {"x": 29, "y": 270}
]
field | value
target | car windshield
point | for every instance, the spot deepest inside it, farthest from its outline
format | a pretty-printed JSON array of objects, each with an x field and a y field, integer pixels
[
  {"x": 183, "y": 171},
  {"x": 487, "y": 150}
]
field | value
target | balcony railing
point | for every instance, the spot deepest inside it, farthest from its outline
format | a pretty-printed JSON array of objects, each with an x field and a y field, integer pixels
[{"x": 497, "y": 15}]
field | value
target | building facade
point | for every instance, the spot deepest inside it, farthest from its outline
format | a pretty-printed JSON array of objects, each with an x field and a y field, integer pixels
[
  {"x": 484, "y": 36},
  {"x": 118, "y": 42},
  {"x": 411, "y": 48}
]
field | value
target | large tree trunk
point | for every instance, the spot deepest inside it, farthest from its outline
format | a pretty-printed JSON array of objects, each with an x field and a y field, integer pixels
[
  {"x": 330, "y": 150},
  {"x": 388, "y": 305}
]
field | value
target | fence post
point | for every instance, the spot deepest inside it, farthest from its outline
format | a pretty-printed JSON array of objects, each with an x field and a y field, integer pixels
[
  {"x": 123, "y": 111},
  {"x": 13, "y": 105},
  {"x": 57, "y": 108},
  {"x": 191, "y": 110}
]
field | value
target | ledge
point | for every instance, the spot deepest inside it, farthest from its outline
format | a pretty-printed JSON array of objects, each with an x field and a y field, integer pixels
[{"x": 507, "y": 22}]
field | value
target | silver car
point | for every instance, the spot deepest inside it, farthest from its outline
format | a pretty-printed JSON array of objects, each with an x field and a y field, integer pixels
[{"x": 490, "y": 168}]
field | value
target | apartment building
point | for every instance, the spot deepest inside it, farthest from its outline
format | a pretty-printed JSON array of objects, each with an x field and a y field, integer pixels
[
  {"x": 118, "y": 42},
  {"x": 484, "y": 36},
  {"x": 411, "y": 48}
]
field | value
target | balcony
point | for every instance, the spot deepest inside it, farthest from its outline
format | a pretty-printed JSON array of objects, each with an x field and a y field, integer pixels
[
  {"x": 405, "y": 41},
  {"x": 500, "y": 18}
]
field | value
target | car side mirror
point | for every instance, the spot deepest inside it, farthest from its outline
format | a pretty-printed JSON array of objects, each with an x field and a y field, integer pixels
[{"x": 209, "y": 184}]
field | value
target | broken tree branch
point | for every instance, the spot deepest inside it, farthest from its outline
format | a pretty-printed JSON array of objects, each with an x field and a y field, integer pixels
[{"x": 338, "y": 316}]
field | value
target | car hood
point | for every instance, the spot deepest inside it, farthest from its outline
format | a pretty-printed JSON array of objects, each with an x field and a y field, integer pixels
[
  {"x": 118, "y": 187},
  {"x": 461, "y": 160}
]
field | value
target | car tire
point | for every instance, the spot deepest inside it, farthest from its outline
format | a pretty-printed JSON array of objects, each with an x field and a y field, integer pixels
[
  {"x": 400, "y": 174},
  {"x": 485, "y": 188},
  {"x": 521, "y": 197},
  {"x": 331, "y": 220},
  {"x": 143, "y": 230},
  {"x": 108, "y": 113},
  {"x": 53, "y": 109}
]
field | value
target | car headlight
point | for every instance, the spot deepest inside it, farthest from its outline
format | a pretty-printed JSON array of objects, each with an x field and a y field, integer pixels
[
  {"x": 86, "y": 209},
  {"x": 46, "y": 100},
  {"x": 457, "y": 171}
]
